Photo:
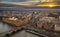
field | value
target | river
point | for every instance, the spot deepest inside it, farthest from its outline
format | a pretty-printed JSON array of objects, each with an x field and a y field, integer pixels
[{"x": 5, "y": 27}]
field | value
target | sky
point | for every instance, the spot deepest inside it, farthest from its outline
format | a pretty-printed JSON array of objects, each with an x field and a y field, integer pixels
[
  {"x": 16, "y": 0},
  {"x": 26, "y": 2},
  {"x": 19, "y": 1}
]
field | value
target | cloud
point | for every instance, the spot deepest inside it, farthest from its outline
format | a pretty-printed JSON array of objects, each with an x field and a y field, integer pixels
[
  {"x": 18, "y": 0},
  {"x": 22, "y": 3}
]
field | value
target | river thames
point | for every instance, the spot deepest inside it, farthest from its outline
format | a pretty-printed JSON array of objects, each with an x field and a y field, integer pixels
[{"x": 5, "y": 27}]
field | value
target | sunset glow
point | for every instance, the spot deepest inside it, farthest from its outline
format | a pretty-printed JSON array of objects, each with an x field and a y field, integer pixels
[
  {"x": 51, "y": 5},
  {"x": 48, "y": 5}
]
